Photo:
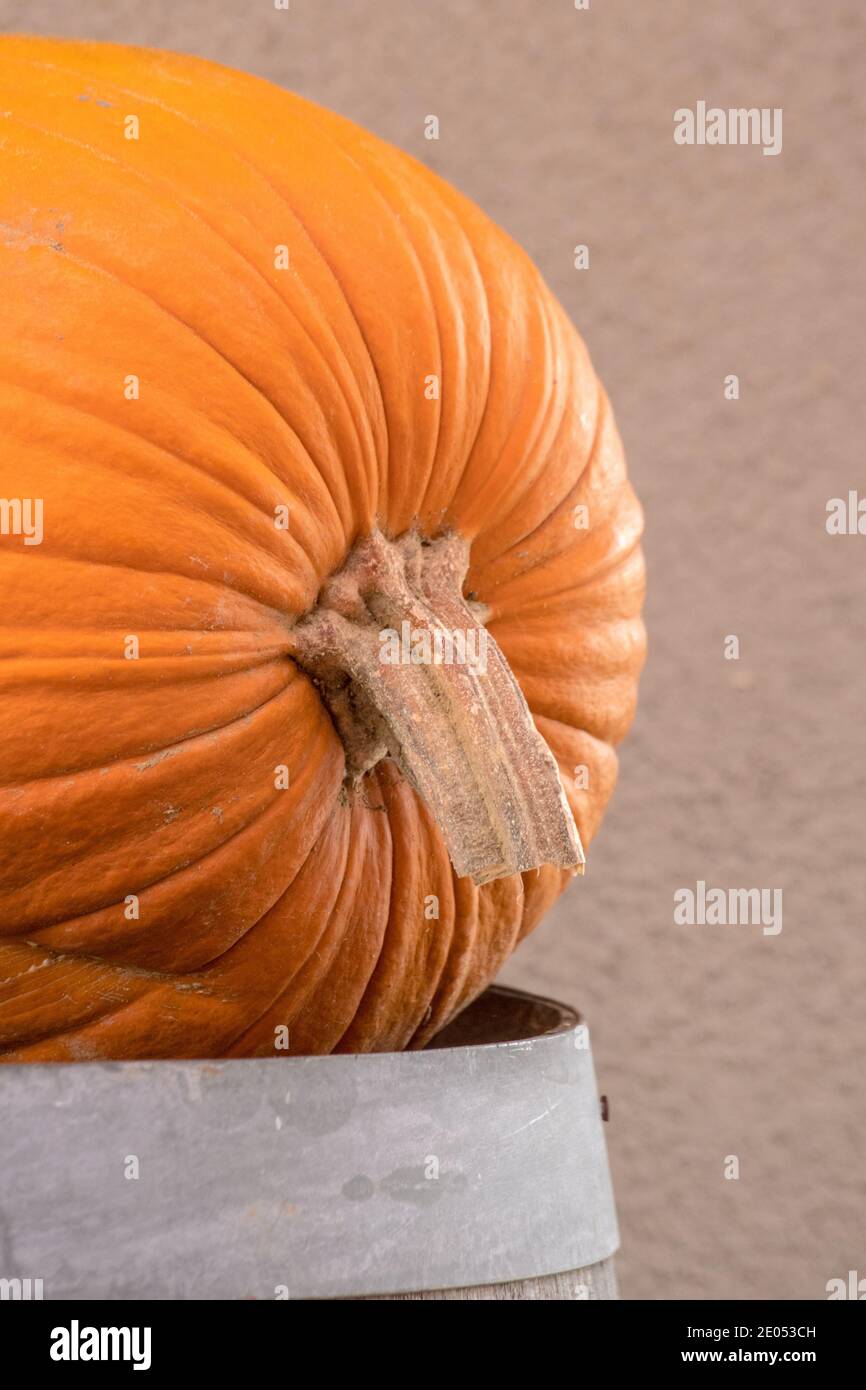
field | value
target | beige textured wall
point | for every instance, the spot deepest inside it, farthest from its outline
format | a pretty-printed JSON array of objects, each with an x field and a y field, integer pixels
[{"x": 709, "y": 1040}]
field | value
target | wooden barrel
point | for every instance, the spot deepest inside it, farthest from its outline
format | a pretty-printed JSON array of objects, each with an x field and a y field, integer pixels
[{"x": 475, "y": 1169}]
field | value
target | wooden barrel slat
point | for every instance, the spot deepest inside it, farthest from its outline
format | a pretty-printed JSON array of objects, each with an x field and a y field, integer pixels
[{"x": 596, "y": 1282}]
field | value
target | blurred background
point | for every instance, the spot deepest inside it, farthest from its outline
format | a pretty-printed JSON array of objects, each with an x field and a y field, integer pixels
[{"x": 710, "y": 1041}]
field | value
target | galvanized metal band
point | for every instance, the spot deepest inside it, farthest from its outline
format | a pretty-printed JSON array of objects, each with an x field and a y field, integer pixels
[{"x": 314, "y": 1177}]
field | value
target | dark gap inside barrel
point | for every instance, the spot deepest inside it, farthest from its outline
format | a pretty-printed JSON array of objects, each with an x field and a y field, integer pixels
[{"x": 502, "y": 1015}]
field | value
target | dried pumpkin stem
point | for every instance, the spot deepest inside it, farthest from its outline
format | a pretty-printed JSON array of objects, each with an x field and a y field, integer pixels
[{"x": 409, "y": 671}]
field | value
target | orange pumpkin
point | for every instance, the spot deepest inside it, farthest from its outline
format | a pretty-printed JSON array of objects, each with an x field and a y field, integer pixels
[{"x": 277, "y": 401}]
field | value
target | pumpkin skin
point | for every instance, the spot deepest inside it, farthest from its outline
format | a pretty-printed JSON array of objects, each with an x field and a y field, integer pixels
[{"x": 159, "y": 896}]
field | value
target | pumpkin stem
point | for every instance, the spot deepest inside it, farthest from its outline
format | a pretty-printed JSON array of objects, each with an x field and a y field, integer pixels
[{"x": 409, "y": 671}]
